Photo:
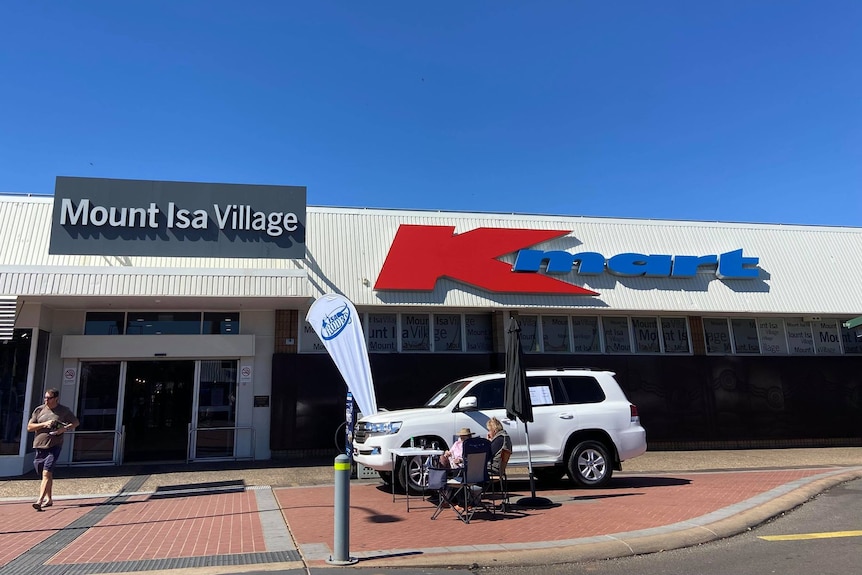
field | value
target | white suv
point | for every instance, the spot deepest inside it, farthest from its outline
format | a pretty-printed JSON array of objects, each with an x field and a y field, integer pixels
[{"x": 583, "y": 425}]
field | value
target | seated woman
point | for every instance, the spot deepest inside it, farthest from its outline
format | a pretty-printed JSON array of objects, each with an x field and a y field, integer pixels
[
  {"x": 500, "y": 442},
  {"x": 454, "y": 458}
]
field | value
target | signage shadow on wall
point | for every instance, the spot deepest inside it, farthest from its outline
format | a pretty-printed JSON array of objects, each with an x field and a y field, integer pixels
[
  {"x": 80, "y": 232},
  {"x": 445, "y": 285},
  {"x": 283, "y": 241},
  {"x": 699, "y": 283},
  {"x": 748, "y": 286},
  {"x": 313, "y": 266}
]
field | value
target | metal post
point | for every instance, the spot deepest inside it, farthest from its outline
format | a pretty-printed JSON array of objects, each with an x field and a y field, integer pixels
[{"x": 341, "y": 542}]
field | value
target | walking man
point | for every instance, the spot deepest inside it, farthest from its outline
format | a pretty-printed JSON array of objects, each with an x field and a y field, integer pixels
[{"x": 49, "y": 421}]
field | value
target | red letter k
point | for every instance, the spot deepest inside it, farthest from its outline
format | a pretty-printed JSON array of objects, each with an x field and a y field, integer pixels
[{"x": 420, "y": 255}]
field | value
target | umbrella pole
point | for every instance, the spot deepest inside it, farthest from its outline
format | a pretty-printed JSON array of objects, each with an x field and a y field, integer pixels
[
  {"x": 532, "y": 501},
  {"x": 530, "y": 463}
]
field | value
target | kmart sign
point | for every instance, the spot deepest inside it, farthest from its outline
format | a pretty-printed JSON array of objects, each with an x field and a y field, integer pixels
[{"x": 151, "y": 218}]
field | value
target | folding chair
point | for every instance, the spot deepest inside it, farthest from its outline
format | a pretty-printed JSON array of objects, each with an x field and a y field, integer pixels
[
  {"x": 499, "y": 479},
  {"x": 438, "y": 478},
  {"x": 468, "y": 488}
]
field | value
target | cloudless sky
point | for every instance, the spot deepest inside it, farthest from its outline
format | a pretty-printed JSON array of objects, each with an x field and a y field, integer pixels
[{"x": 689, "y": 110}]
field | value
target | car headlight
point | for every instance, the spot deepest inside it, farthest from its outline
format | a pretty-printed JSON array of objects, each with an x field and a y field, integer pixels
[{"x": 387, "y": 428}]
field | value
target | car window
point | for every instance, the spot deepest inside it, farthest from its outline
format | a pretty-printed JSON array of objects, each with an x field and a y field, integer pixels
[
  {"x": 489, "y": 394},
  {"x": 542, "y": 391},
  {"x": 582, "y": 389},
  {"x": 445, "y": 395}
]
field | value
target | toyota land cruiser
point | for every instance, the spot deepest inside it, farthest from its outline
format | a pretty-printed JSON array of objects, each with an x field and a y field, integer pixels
[{"x": 583, "y": 425}]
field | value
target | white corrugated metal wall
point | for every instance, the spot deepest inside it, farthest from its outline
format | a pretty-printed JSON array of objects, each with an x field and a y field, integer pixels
[{"x": 805, "y": 270}]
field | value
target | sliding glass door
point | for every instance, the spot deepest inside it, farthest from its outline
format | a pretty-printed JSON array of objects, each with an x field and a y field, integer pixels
[{"x": 215, "y": 436}]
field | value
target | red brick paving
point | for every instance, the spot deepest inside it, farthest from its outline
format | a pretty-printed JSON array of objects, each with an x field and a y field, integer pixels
[
  {"x": 633, "y": 503},
  {"x": 22, "y": 527},
  {"x": 145, "y": 527},
  {"x": 156, "y": 528}
]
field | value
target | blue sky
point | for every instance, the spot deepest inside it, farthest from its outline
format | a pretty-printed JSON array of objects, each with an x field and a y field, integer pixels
[{"x": 731, "y": 111}]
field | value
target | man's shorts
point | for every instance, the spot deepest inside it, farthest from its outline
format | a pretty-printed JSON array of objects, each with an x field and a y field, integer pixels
[{"x": 46, "y": 458}]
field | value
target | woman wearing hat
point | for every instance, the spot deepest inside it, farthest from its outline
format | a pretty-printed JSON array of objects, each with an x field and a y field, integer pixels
[{"x": 453, "y": 457}]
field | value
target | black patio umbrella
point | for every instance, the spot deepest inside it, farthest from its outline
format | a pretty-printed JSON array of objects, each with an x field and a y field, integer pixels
[{"x": 517, "y": 401}]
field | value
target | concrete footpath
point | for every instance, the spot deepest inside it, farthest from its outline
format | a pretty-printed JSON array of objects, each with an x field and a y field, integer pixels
[{"x": 278, "y": 516}]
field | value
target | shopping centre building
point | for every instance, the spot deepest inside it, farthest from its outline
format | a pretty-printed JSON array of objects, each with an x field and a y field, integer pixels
[{"x": 171, "y": 317}]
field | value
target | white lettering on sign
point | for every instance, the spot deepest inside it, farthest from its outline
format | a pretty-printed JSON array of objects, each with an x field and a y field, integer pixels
[
  {"x": 230, "y": 217},
  {"x": 243, "y": 218},
  {"x": 86, "y": 215}
]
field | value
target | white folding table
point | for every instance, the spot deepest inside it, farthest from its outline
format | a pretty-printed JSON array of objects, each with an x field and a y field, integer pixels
[{"x": 405, "y": 452}]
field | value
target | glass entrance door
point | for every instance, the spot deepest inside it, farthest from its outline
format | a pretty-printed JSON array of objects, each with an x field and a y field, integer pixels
[
  {"x": 215, "y": 434},
  {"x": 157, "y": 409},
  {"x": 96, "y": 439}
]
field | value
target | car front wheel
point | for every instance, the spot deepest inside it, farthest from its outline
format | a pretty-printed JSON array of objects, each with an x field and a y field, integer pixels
[
  {"x": 417, "y": 474},
  {"x": 589, "y": 465}
]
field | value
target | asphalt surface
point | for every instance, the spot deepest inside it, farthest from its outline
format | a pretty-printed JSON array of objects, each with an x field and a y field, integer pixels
[{"x": 264, "y": 516}]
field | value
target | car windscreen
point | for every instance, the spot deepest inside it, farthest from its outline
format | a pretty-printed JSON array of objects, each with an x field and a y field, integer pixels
[{"x": 445, "y": 395}]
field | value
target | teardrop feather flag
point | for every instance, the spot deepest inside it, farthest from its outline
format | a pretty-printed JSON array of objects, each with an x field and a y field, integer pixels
[{"x": 335, "y": 321}]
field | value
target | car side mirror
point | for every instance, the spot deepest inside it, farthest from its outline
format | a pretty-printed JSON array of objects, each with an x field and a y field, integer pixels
[{"x": 469, "y": 403}]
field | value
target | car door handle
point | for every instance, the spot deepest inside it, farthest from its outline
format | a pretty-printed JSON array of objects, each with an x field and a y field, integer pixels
[{"x": 566, "y": 416}]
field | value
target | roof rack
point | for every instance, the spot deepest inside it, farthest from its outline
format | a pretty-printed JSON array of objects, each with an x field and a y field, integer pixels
[{"x": 579, "y": 367}]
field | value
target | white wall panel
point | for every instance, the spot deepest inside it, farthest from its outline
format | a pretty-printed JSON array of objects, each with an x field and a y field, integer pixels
[{"x": 164, "y": 346}]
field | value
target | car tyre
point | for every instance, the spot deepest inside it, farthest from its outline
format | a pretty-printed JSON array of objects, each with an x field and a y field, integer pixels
[
  {"x": 589, "y": 465},
  {"x": 417, "y": 475}
]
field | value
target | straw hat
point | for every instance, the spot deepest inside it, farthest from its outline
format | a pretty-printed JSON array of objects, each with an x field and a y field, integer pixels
[{"x": 465, "y": 432}]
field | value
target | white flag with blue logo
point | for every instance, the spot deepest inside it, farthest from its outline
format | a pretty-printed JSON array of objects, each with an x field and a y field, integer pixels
[{"x": 336, "y": 323}]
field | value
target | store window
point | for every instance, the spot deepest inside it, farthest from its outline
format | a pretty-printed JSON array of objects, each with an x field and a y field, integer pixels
[
  {"x": 14, "y": 361},
  {"x": 309, "y": 342},
  {"x": 415, "y": 332},
  {"x": 221, "y": 323},
  {"x": 827, "y": 341},
  {"x": 745, "y": 339},
  {"x": 717, "y": 335},
  {"x": 163, "y": 323},
  {"x": 585, "y": 335},
  {"x": 555, "y": 333},
  {"x": 529, "y": 333},
  {"x": 799, "y": 339},
  {"x": 617, "y": 339},
  {"x": 447, "y": 332},
  {"x": 159, "y": 323},
  {"x": 646, "y": 335},
  {"x": 105, "y": 323},
  {"x": 674, "y": 332},
  {"x": 851, "y": 341},
  {"x": 772, "y": 338},
  {"x": 382, "y": 332},
  {"x": 479, "y": 334}
]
